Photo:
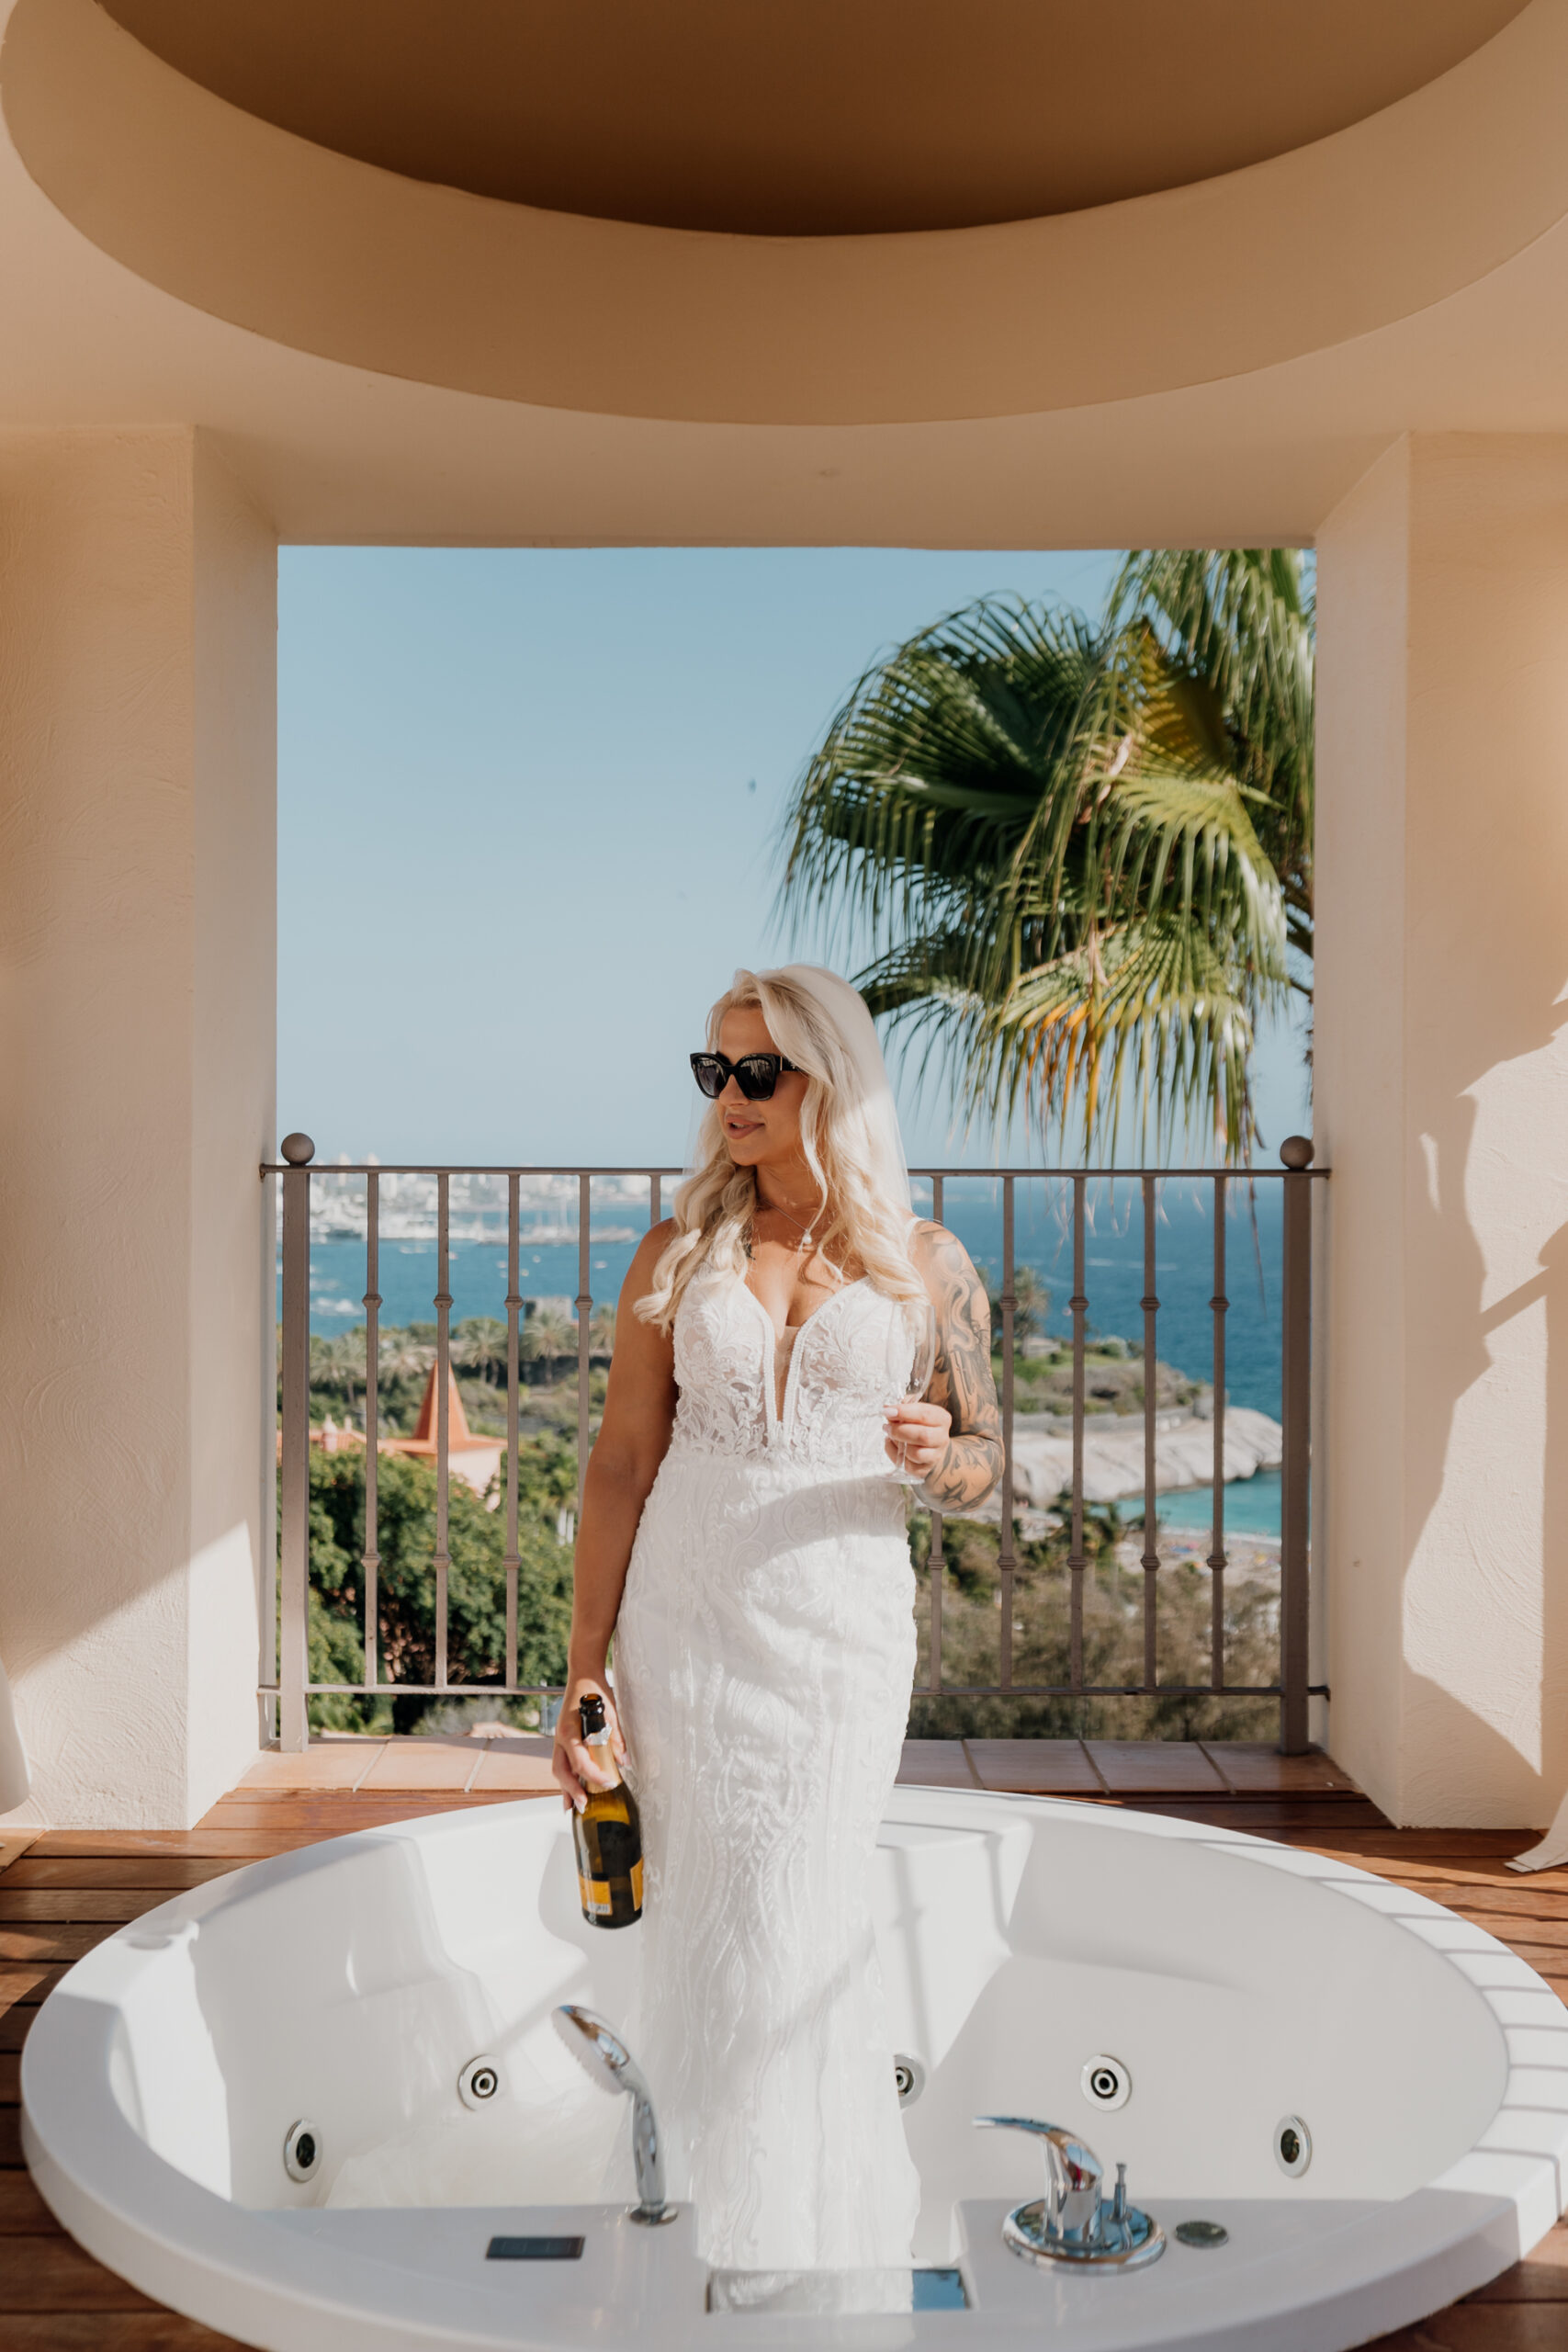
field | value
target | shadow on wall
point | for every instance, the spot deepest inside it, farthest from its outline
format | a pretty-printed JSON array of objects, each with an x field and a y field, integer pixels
[{"x": 1485, "y": 1593}]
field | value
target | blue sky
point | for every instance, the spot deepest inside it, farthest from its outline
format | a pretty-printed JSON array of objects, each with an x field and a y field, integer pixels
[{"x": 528, "y": 805}]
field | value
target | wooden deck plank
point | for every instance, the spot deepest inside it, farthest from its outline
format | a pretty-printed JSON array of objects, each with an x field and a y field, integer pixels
[
  {"x": 45, "y": 1941},
  {"x": 1540, "y": 2277},
  {"x": 130, "y": 2330},
  {"x": 234, "y": 1846},
  {"x": 52, "y": 2273},
  {"x": 23, "y": 1987},
  {"x": 1477, "y": 2327},
  {"x": 172, "y": 1873},
  {"x": 79, "y": 1906},
  {"x": 23, "y": 2213}
]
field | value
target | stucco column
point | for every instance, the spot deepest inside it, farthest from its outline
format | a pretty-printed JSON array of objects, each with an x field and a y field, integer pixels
[
  {"x": 1442, "y": 1101},
  {"x": 137, "y": 954}
]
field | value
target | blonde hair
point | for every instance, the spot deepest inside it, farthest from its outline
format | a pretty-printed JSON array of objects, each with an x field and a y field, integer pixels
[{"x": 713, "y": 1208}]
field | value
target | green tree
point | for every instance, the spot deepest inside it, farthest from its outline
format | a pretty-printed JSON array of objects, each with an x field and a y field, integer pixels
[
  {"x": 406, "y": 1578},
  {"x": 1081, "y": 852},
  {"x": 548, "y": 1337},
  {"x": 479, "y": 1344}
]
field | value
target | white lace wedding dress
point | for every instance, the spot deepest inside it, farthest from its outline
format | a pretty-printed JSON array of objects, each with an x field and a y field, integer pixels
[{"x": 762, "y": 1663}]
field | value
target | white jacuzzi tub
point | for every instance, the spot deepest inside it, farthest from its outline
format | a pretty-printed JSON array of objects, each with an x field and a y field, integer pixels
[{"x": 1237, "y": 1982}]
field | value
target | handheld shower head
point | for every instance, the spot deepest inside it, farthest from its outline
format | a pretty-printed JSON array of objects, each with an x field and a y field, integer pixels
[
  {"x": 606, "y": 2061},
  {"x": 597, "y": 2048}
]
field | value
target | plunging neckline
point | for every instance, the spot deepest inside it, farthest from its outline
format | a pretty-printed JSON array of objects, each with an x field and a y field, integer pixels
[{"x": 778, "y": 1410}]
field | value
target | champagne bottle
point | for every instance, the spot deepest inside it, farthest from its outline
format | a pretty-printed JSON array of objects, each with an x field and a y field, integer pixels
[{"x": 608, "y": 1835}]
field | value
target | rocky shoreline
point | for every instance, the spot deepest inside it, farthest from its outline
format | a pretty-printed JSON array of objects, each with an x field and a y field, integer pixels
[{"x": 1113, "y": 1452}]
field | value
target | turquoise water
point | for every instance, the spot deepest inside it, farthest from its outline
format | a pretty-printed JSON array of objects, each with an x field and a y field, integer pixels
[
  {"x": 972, "y": 1207},
  {"x": 1252, "y": 1506}
]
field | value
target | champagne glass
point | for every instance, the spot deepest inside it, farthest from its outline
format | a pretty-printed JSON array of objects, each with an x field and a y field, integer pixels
[{"x": 914, "y": 1328}]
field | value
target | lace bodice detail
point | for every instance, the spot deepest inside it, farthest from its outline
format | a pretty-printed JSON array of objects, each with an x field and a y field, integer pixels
[{"x": 848, "y": 1365}]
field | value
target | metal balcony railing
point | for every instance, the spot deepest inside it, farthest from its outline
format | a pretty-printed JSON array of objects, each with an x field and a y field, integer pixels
[{"x": 293, "y": 1687}]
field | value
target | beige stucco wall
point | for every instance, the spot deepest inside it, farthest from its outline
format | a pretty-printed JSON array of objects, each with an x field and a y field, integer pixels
[
  {"x": 1441, "y": 1081},
  {"x": 137, "y": 758}
]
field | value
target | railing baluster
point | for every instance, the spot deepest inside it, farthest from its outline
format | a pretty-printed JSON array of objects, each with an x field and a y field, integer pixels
[
  {"x": 293, "y": 1687},
  {"x": 584, "y": 1309},
  {"x": 371, "y": 1556},
  {"x": 1078, "y": 1304},
  {"x": 1005, "y": 1558},
  {"x": 934, "y": 1566},
  {"x": 1218, "y": 1306},
  {"x": 442, "y": 1412},
  {"x": 513, "y": 1309},
  {"x": 293, "y": 1727},
  {"x": 1295, "y": 1412},
  {"x": 1150, "y": 1306}
]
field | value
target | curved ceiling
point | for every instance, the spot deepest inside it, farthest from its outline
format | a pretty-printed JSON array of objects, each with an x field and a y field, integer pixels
[
  {"x": 318, "y": 251},
  {"x": 812, "y": 117}
]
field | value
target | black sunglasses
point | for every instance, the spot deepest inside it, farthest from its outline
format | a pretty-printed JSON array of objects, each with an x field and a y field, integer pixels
[{"x": 755, "y": 1074}]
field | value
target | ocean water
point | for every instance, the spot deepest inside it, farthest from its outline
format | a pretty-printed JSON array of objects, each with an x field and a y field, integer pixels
[{"x": 1184, "y": 1275}]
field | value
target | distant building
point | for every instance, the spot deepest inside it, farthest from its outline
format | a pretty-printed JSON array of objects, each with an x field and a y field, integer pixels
[{"x": 475, "y": 1460}]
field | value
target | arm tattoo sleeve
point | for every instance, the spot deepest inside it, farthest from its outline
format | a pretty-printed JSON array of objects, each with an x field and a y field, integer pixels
[{"x": 962, "y": 1382}]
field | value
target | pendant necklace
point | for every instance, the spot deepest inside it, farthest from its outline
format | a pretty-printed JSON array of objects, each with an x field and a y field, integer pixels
[{"x": 807, "y": 1235}]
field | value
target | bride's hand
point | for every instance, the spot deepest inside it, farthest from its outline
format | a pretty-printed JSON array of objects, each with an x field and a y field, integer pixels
[
  {"x": 572, "y": 1762},
  {"x": 917, "y": 1436}
]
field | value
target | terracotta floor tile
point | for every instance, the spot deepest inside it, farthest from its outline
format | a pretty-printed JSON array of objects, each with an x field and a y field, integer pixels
[
  {"x": 1154, "y": 1768},
  {"x": 326, "y": 1765},
  {"x": 422, "y": 1764},
  {"x": 936, "y": 1764},
  {"x": 522, "y": 1765},
  {"x": 1257, "y": 1767},
  {"x": 1041, "y": 1768}
]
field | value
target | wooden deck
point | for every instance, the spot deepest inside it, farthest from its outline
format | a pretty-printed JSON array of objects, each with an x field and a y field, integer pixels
[{"x": 64, "y": 1891}]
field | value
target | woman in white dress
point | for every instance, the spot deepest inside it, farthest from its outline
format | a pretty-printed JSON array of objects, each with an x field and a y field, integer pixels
[{"x": 744, "y": 1543}]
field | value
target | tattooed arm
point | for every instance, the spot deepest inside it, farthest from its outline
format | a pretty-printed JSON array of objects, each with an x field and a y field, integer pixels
[{"x": 953, "y": 1436}]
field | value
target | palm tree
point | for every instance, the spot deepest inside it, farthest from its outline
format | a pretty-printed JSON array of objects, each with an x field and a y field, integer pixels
[
  {"x": 338, "y": 1364},
  {"x": 403, "y": 1356},
  {"x": 546, "y": 1337},
  {"x": 1081, "y": 853},
  {"x": 479, "y": 1344},
  {"x": 602, "y": 1330}
]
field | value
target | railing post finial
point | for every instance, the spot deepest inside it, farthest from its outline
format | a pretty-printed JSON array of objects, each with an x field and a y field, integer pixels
[
  {"x": 298, "y": 1150},
  {"x": 1296, "y": 1152}
]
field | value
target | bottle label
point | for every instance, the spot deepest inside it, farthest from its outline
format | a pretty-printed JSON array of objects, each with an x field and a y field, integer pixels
[{"x": 595, "y": 1892}]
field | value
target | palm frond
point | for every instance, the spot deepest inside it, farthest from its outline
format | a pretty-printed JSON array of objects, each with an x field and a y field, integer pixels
[{"x": 1081, "y": 855}]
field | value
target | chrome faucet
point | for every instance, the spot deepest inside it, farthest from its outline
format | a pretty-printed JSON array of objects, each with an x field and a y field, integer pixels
[
  {"x": 1072, "y": 2222},
  {"x": 601, "y": 2051}
]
